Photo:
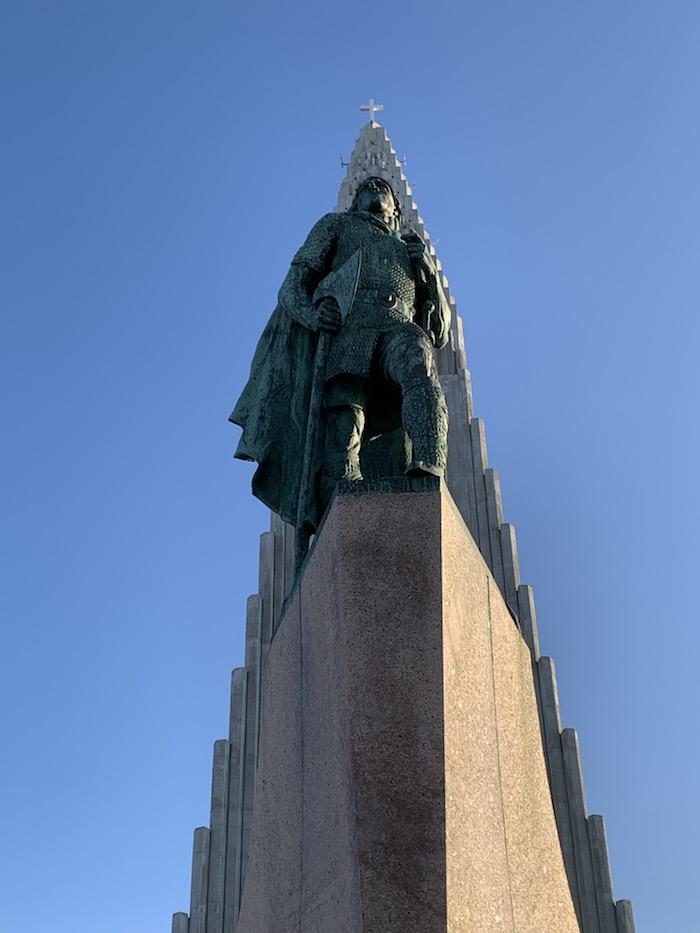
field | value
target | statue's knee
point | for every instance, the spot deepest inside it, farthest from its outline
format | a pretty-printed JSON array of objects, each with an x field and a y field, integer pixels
[
  {"x": 346, "y": 392},
  {"x": 412, "y": 359}
]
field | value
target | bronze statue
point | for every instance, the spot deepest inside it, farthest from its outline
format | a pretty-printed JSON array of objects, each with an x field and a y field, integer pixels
[{"x": 343, "y": 382}]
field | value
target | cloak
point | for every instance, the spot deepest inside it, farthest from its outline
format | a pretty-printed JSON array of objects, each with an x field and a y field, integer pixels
[{"x": 273, "y": 411}]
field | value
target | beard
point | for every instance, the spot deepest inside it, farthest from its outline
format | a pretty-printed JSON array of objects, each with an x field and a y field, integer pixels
[{"x": 377, "y": 206}]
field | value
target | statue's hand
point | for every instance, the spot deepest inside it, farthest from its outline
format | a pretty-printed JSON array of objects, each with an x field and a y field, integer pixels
[
  {"x": 418, "y": 251},
  {"x": 328, "y": 315}
]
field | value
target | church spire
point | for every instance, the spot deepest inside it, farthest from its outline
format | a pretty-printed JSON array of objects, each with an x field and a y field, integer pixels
[{"x": 374, "y": 155}]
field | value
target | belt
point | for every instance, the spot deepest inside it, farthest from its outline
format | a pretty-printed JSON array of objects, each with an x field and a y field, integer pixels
[{"x": 382, "y": 296}]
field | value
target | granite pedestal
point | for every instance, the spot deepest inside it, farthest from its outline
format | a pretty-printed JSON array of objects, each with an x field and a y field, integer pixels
[{"x": 401, "y": 783}]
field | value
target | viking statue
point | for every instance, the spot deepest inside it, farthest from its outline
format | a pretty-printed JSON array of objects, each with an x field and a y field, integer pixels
[{"x": 358, "y": 316}]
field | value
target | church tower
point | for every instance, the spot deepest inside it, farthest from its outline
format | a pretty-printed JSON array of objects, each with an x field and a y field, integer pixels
[{"x": 468, "y": 519}]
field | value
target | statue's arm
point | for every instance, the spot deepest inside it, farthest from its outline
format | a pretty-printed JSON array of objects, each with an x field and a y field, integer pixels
[
  {"x": 308, "y": 267},
  {"x": 435, "y": 315},
  {"x": 295, "y": 294}
]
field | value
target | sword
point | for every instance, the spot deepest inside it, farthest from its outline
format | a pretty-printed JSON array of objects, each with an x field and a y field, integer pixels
[{"x": 341, "y": 286}]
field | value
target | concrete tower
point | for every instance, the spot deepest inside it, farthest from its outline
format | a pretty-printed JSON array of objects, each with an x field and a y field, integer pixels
[{"x": 561, "y": 875}]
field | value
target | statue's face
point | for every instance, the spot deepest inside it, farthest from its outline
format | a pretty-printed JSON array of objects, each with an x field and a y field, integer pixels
[{"x": 376, "y": 196}]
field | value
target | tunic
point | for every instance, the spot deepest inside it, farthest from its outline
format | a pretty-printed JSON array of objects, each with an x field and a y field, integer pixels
[{"x": 386, "y": 292}]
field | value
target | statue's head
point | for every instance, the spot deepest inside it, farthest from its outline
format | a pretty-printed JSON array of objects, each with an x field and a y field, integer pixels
[{"x": 376, "y": 196}]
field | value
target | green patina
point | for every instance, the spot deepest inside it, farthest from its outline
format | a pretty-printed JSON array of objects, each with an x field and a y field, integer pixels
[{"x": 343, "y": 383}]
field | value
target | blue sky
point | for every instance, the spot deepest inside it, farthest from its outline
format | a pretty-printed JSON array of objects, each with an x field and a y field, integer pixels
[{"x": 160, "y": 164}]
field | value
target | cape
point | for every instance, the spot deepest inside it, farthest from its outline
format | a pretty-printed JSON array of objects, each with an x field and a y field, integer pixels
[{"x": 273, "y": 411}]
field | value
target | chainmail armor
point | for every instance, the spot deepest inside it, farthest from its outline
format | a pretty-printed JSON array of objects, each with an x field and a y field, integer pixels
[
  {"x": 386, "y": 290},
  {"x": 424, "y": 416}
]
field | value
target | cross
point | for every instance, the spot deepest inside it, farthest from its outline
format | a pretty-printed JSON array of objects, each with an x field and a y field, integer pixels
[{"x": 372, "y": 108}]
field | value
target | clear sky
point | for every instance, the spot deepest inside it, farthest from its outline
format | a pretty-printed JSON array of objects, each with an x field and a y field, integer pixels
[{"x": 161, "y": 161}]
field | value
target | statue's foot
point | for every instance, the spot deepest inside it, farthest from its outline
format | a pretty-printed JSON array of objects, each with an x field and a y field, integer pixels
[
  {"x": 421, "y": 468},
  {"x": 330, "y": 483}
]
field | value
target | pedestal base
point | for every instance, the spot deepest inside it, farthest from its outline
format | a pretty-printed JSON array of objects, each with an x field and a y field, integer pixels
[{"x": 401, "y": 783}]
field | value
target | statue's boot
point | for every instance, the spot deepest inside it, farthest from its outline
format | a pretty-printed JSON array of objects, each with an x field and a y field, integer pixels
[
  {"x": 345, "y": 424},
  {"x": 424, "y": 415}
]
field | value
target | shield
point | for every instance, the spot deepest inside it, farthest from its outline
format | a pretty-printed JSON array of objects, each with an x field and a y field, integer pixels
[{"x": 341, "y": 284}]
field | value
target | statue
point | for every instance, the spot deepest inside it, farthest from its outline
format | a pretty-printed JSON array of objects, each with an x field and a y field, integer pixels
[{"x": 343, "y": 383}]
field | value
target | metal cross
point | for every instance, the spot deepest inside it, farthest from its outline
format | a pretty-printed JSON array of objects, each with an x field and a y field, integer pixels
[{"x": 372, "y": 108}]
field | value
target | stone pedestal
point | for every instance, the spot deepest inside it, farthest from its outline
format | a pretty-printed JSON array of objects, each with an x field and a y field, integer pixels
[{"x": 401, "y": 783}]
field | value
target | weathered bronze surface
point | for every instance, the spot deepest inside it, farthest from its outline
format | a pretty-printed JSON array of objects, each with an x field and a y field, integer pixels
[{"x": 343, "y": 382}]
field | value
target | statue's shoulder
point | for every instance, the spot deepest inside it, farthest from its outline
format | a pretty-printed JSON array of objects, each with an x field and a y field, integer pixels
[
  {"x": 336, "y": 221},
  {"x": 328, "y": 221},
  {"x": 349, "y": 223},
  {"x": 325, "y": 228},
  {"x": 348, "y": 218},
  {"x": 318, "y": 243}
]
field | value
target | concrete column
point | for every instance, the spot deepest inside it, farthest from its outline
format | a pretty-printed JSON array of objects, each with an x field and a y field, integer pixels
[
  {"x": 459, "y": 460},
  {"x": 232, "y": 892},
  {"x": 624, "y": 917},
  {"x": 480, "y": 463},
  {"x": 181, "y": 923},
  {"x": 217, "y": 838},
  {"x": 253, "y": 662},
  {"x": 238, "y": 679},
  {"x": 494, "y": 511},
  {"x": 465, "y": 414},
  {"x": 551, "y": 722},
  {"x": 289, "y": 562},
  {"x": 579, "y": 830},
  {"x": 528, "y": 619},
  {"x": 278, "y": 591},
  {"x": 200, "y": 878},
  {"x": 445, "y": 361},
  {"x": 511, "y": 566},
  {"x": 462, "y": 363},
  {"x": 255, "y": 619},
  {"x": 266, "y": 586},
  {"x": 601, "y": 874}
]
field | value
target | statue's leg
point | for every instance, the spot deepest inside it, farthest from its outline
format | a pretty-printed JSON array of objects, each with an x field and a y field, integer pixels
[
  {"x": 345, "y": 423},
  {"x": 406, "y": 358}
]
